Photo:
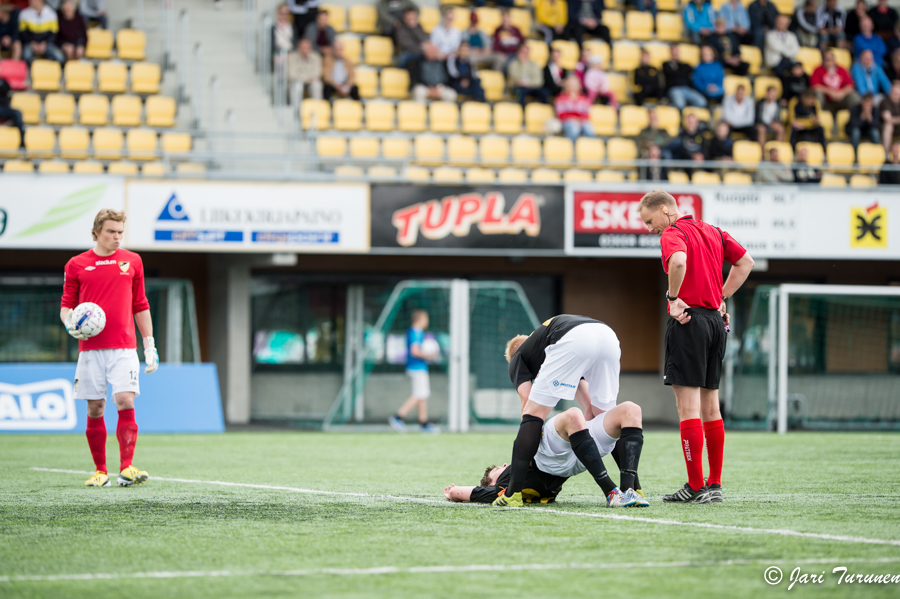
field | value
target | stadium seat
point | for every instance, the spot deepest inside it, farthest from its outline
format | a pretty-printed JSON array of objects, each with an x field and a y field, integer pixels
[
  {"x": 668, "y": 118},
  {"x": 862, "y": 181},
  {"x": 112, "y": 77},
  {"x": 428, "y": 148},
  {"x": 753, "y": 57},
  {"x": 731, "y": 83},
  {"x": 364, "y": 147},
  {"x": 668, "y": 5},
  {"x": 443, "y": 117},
  {"x": 832, "y": 180},
  {"x": 616, "y": 23},
  {"x": 175, "y": 143},
  {"x": 108, "y": 143},
  {"x": 577, "y": 175},
  {"x": 411, "y": 116},
  {"x": 545, "y": 176},
  {"x": 352, "y": 47},
  {"x": 40, "y": 142},
  {"x": 363, "y": 18},
  {"x": 689, "y": 54},
  {"x": 734, "y": 178},
  {"x": 589, "y": 151},
  {"x": 145, "y": 78},
  {"x": 702, "y": 114},
  {"x": 367, "y": 82},
  {"x": 123, "y": 168},
  {"x": 810, "y": 58},
  {"x": 378, "y": 50},
  {"x": 826, "y": 120},
  {"x": 462, "y": 149},
  {"x": 380, "y": 115},
  {"x": 315, "y": 114},
  {"x": 53, "y": 167},
  {"x": 633, "y": 120},
  {"x": 74, "y": 143},
  {"x": 429, "y": 17},
  {"x": 785, "y": 151},
  {"x": 18, "y": 166},
  {"x": 447, "y": 174},
  {"x": 508, "y": 117},
  {"x": 417, "y": 174},
  {"x": 330, "y": 146},
  {"x": 705, "y": 178},
  {"x": 480, "y": 175},
  {"x": 141, "y": 144},
  {"x": 659, "y": 53},
  {"x": 126, "y": 111},
  {"x": 87, "y": 167},
  {"x": 626, "y": 56},
  {"x": 337, "y": 16},
  {"x": 493, "y": 150},
  {"x": 59, "y": 109},
  {"x": 678, "y": 177},
  {"x": 569, "y": 53},
  {"x": 785, "y": 7},
  {"x": 160, "y": 111},
  {"x": 493, "y": 83},
  {"x": 639, "y": 25},
  {"x": 538, "y": 52},
  {"x": 349, "y": 172},
  {"x": 620, "y": 148},
  {"x": 608, "y": 176},
  {"x": 762, "y": 83},
  {"x": 747, "y": 152},
  {"x": 618, "y": 84},
  {"x": 512, "y": 175},
  {"x": 131, "y": 44},
  {"x": 536, "y": 117},
  {"x": 10, "y": 141},
  {"x": 79, "y": 76},
  {"x": 598, "y": 48},
  {"x": 526, "y": 150},
  {"x": 669, "y": 27},
  {"x": 840, "y": 154},
  {"x": 396, "y": 148},
  {"x": 347, "y": 114},
  {"x": 841, "y": 119},
  {"x": 461, "y": 17},
  {"x": 29, "y": 105},
  {"x": 382, "y": 172},
  {"x": 558, "y": 151},
  {"x": 521, "y": 18},
  {"x": 395, "y": 83},
  {"x": 15, "y": 72},
  {"x": 842, "y": 57},
  {"x": 45, "y": 75},
  {"x": 153, "y": 169},
  {"x": 476, "y": 117},
  {"x": 99, "y": 44},
  {"x": 93, "y": 110},
  {"x": 190, "y": 170},
  {"x": 867, "y": 154},
  {"x": 489, "y": 19},
  {"x": 604, "y": 119},
  {"x": 815, "y": 155}
]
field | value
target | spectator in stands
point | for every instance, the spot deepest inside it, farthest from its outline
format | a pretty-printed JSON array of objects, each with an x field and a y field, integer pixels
[
  {"x": 552, "y": 18},
  {"x": 869, "y": 77},
  {"x": 690, "y": 142},
  {"x": 38, "y": 26},
  {"x": 585, "y": 17},
  {"x": 698, "y": 20},
  {"x": 391, "y": 13},
  {"x": 480, "y": 45},
  {"x": 851, "y": 27},
  {"x": 890, "y": 115},
  {"x": 865, "y": 120},
  {"x": 866, "y": 40},
  {"x": 573, "y": 109},
  {"x": 891, "y": 177},
  {"x": 781, "y": 47},
  {"x": 9, "y": 33},
  {"x": 652, "y": 135},
  {"x": 720, "y": 146},
  {"x": 884, "y": 19},
  {"x": 654, "y": 171},
  {"x": 305, "y": 67},
  {"x": 338, "y": 75},
  {"x": 679, "y": 81},
  {"x": 554, "y": 74},
  {"x": 507, "y": 39},
  {"x": 410, "y": 38},
  {"x": 94, "y": 12},
  {"x": 304, "y": 13},
  {"x": 647, "y": 82},
  {"x": 282, "y": 32},
  {"x": 892, "y": 69},
  {"x": 803, "y": 171},
  {"x": 804, "y": 119},
  {"x": 739, "y": 112},
  {"x": 8, "y": 113},
  {"x": 709, "y": 75},
  {"x": 831, "y": 21},
  {"x": 892, "y": 44},
  {"x": 794, "y": 83},
  {"x": 462, "y": 73},
  {"x": 806, "y": 24},
  {"x": 429, "y": 77},
  {"x": 524, "y": 78},
  {"x": 833, "y": 85},
  {"x": 777, "y": 173},
  {"x": 763, "y": 16},
  {"x": 728, "y": 49},
  {"x": 445, "y": 37},
  {"x": 72, "y": 36},
  {"x": 320, "y": 33},
  {"x": 589, "y": 71},
  {"x": 737, "y": 20},
  {"x": 768, "y": 117}
]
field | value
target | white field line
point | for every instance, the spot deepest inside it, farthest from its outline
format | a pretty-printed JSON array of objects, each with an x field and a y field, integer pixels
[
  {"x": 542, "y": 510},
  {"x": 385, "y": 570}
]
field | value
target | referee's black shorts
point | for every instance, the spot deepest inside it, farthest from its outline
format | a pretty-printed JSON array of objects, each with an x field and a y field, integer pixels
[{"x": 694, "y": 351}]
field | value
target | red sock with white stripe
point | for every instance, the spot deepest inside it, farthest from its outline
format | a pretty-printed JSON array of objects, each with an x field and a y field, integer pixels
[
  {"x": 126, "y": 433},
  {"x": 692, "y": 446},
  {"x": 96, "y": 437},
  {"x": 715, "y": 449}
]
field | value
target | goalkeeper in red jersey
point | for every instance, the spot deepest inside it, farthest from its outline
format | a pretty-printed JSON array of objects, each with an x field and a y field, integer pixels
[{"x": 112, "y": 278}]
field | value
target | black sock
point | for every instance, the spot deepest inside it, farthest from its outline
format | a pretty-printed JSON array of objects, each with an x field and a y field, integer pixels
[
  {"x": 616, "y": 454},
  {"x": 586, "y": 451},
  {"x": 527, "y": 442},
  {"x": 629, "y": 449}
]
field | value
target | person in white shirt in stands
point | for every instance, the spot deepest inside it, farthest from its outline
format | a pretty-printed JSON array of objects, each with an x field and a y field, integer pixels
[
  {"x": 768, "y": 117},
  {"x": 739, "y": 112},
  {"x": 782, "y": 47},
  {"x": 93, "y": 11},
  {"x": 305, "y": 67},
  {"x": 445, "y": 37}
]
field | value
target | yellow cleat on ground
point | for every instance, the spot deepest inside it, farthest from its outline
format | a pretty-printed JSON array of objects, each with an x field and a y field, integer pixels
[
  {"x": 513, "y": 501},
  {"x": 641, "y": 493},
  {"x": 132, "y": 476},
  {"x": 99, "y": 479}
]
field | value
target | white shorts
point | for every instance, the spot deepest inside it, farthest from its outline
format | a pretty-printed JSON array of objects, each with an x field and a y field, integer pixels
[
  {"x": 555, "y": 456},
  {"x": 421, "y": 387},
  {"x": 99, "y": 368},
  {"x": 590, "y": 351}
]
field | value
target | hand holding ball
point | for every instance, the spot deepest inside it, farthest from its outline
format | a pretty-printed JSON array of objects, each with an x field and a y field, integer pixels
[{"x": 85, "y": 321}]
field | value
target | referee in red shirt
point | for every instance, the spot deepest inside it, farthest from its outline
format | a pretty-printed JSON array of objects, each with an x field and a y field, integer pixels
[{"x": 692, "y": 255}]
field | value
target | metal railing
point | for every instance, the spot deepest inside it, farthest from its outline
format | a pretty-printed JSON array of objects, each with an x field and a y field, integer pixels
[{"x": 181, "y": 70}]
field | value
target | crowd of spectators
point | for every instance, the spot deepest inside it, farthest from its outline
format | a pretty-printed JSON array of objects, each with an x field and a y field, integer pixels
[{"x": 31, "y": 29}]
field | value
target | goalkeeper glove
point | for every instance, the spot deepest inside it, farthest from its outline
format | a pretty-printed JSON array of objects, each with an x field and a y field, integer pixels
[
  {"x": 72, "y": 328},
  {"x": 151, "y": 356}
]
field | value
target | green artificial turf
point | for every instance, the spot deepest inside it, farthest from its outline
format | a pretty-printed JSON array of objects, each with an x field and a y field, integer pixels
[{"x": 828, "y": 484}]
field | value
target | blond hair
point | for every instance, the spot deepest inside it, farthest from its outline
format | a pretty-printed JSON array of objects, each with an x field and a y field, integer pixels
[
  {"x": 655, "y": 199},
  {"x": 103, "y": 216},
  {"x": 513, "y": 346}
]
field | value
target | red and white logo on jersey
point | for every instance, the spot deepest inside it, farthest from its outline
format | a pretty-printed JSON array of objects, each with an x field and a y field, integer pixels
[{"x": 123, "y": 266}]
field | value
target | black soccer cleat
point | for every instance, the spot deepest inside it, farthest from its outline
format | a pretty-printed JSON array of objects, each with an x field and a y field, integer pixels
[
  {"x": 715, "y": 493},
  {"x": 687, "y": 495}
]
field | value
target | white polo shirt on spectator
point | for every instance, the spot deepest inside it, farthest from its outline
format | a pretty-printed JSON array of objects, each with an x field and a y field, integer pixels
[
  {"x": 737, "y": 114},
  {"x": 446, "y": 40}
]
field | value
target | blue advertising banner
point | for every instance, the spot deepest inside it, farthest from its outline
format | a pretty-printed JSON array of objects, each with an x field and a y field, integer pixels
[{"x": 39, "y": 398}]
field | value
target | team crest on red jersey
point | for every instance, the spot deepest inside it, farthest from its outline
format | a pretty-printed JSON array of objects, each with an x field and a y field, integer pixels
[{"x": 123, "y": 266}]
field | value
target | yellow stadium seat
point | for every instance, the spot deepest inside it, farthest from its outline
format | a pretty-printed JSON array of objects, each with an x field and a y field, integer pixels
[
  {"x": 123, "y": 168},
  {"x": 731, "y": 83},
  {"x": 668, "y": 5},
  {"x": 702, "y": 114},
  {"x": 659, "y": 53},
  {"x": 493, "y": 83},
  {"x": 810, "y": 58},
  {"x": 126, "y": 111},
  {"x": 443, "y": 117},
  {"x": 411, "y": 116},
  {"x": 145, "y": 77},
  {"x": 87, "y": 167},
  {"x": 352, "y": 47},
  {"x": 382, "y": 172},
  {"x": 315, "y": 114},
  {"x": 59, "y": 109},
  {"x": 577, "y": 175},
  {"x": 74, "y": 143},
  {"x": 40, "y": 142},
  {"x": 842, "y": 118},
  {"x": 190, "y": 170},
  {"x": 395, "y": 83},
  {"x": 689, "y": 54},
  {"x": 678, "y": 177},
  {"x": 867, "y": 154},
  {"x": 538, "y": 52},
  {"x": 480, "y": 175},
  {"x": 508, "y": 117},
  {"x": 815, "y": 155},
  {"x": 367, "y": 82},
  {"x": 93, "y": 109},
  {"x": 461, "y": 17},
  {"x": 762, "y": 83},
  {"x": 330, "y": 146},
  {"x": 521, "y": 18},
  {"x": 493, "y": 149},
  {"x": 668, "y": 118},
  {"x": 608, "y": 176},
  {"x": 598, "y": 48},
  {"x": 785, "y": 151},
  {"x": 589, "y": 151},
  {"x": 447, "y": 174},
  {"x": 364, "y": 147},
  {"x": 417, "y": 174},
  {"x": 488, "y": 19},
  {"x": 428, "y": 148},
  {"x": 429, "y": 17},
  {"x": 862, "y": 181},
  {"x": 131, "y": 44},
  {"x": 705, "y": 178},
  {"x": 526, "y": 150},
  {"x": 616, "y": 23},
  {"x": 462, "y": 149},
  {"x": 620, "y": 148},
  {"x": 363, "y": 18},
  {"x": 558, "y": 151},
  {"x": 512, "y": 175},
  {"x": 99, "y": 44},
  {"x": 10, "y": 141},
  {"x": 53, "y": 167},
  {"x": 734, "y": 178},
  {"x": 832, "y": 180},
  {"x": 669, "y": 27},
  {"x": 153, "y": 169},
  {"x": 29, "y": 105},
  {"x": 160, "y": 111},
  {"x": 108, "y": 143},
  {"x": 753, "y": 57},
  {"x": 349, "y": 172},
  {"x": 545, "y": 176},
  {"x": 842, "y": 57},
  {"x": 79, "y": 76},
  {"x": 536, "y": 117},
  {"x": 633, "y": 120},
  {"x": 747, "y": 152},
  {"x": 604, "y": 119},
  {"x": 569, "y": 53},
  {"x": 840, "y": 154},
  {"x": 785, "y": 7},
  {"x": 141, "y": 144},
  {"x": 826, "y": 120},
  {"x": 18, "y": 166},
  {"x": 639, "y": 25},
  {"x": 626, "y": 56},
  {"x": 618, "y": 84},
  {"x": 396, "y": 148},
  {"x": 45, "y": 75},
  {"x": 379, "y": 115},
  {"x": 347, "y": 115},
  {"x": 112, "y": 77},
  {"x": 476, "y": 117},
  {"x": 175, "y": 143},
  {"x": 379, "y": 50},
  {"x": 337, "y": 16}
]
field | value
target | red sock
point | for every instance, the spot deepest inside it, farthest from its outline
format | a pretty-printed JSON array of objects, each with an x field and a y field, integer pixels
[
  {"x": 126, "y": 433},
  {"x": 96, "y": 436},
  {"x": 692, "y": 446},
  {"x": 715, "y": 449}
]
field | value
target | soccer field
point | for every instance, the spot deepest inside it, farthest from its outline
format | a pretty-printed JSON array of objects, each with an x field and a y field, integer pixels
[{"x": 363, "y": 515}]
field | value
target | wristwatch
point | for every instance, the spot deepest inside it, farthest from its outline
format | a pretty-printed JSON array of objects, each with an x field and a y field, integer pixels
[{"x": 670, "y": 297}]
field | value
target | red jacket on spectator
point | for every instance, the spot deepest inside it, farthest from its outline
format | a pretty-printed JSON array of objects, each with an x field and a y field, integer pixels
[
  {"x": 839, "y": 79},
  {"x": 508, "y": 40},
  {"x": 576, "y": 107}
]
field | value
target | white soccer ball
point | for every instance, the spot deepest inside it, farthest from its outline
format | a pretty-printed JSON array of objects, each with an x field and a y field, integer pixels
[{"x": 89, "y": 319}]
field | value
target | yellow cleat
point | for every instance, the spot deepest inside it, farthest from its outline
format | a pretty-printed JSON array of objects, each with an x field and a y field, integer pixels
[
  {"x": 132, "y": 476},
  {"x": 513, "y": 501},
  {"x": 641, "y": 493},
  {"x": 99, "y": 479}
]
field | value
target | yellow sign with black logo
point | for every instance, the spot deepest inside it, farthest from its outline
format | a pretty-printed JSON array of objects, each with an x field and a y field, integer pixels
[{"x": 868, "y": 227}]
